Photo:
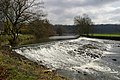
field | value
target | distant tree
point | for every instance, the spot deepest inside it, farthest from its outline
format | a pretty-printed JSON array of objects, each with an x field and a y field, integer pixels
[
  {"x": 16, "y": 12},
  {"x": 83, "y": 23},
  {"x": 41, "y": 28},
  {"x": 60, "y": 30}
]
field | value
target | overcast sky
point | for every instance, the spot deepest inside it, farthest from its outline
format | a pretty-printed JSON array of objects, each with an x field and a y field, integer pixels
[{"x": 100, "y": 11}]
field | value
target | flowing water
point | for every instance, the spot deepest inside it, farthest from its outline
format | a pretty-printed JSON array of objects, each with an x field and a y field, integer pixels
[{"x": 78, "y": 59}]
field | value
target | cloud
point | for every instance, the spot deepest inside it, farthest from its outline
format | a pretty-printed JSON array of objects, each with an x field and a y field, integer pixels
[{"x": 100, "y": 11}]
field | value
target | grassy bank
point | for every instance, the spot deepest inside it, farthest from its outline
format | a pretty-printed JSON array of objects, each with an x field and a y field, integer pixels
[
  {"x": 16, "y": 67},
  {"x": 106, "y": 35},
  {"x": 22, "y": 39}
]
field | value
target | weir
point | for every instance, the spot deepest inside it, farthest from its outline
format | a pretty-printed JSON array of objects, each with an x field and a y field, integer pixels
[{"x": 78, "y": 59}]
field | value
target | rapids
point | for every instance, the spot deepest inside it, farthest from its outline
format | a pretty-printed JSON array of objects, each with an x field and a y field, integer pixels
[{"x": 78, "y": 59}]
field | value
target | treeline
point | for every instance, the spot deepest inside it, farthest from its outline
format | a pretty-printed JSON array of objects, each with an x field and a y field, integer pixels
[
  {"x": 38, "y": 28},
  {"x": 83, "y": 25}
]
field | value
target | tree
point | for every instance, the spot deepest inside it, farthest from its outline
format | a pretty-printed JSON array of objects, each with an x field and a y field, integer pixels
[
  {"x": 41, "y": 28},
  {"x": 83, "y": 23},
  {"x": 16, "y": 12},
  {"x": 60, "y": 30}
]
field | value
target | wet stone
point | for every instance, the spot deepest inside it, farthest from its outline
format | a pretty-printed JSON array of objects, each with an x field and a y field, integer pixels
[
  {"x": 114, "y": 59},
  {"x": 75, "y": 50},
  {"x": 78, "y": 71},
  {"x": 118, "y": 45},
  {"x": 40, "y": 61},
  {"x": 85, "y": 74},
  {"x": 90, "y": 46},
  {"x": 86, "y": 68},
  {"x": 79, "y": 51}
]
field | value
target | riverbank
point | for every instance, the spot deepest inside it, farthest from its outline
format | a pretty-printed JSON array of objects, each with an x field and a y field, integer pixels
[
  {"x": 117, "y": 38},
  {"x": 16, "y": 67}
]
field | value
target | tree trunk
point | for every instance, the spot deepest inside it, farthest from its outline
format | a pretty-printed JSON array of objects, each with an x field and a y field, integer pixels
[{"x": 14, "y": 36}]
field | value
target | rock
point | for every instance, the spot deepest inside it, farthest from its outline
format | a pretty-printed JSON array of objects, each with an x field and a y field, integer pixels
[
  {"x": 79, "y": 51},
  {"x": 86, "y": 68},
  {"x": 78, "y": 71},
  {"x": 95, "y": 56},
  {"x": 75, "y": 50},
  {"x": 90, "y": 46},
  {"x": 118, "y": 45},
  {"x": 114, "y": 59},
  {"x": 47, "y": 71},
  {"x": 72, "y": 68},
  {"x": 85, "y": 74},
  {"x": 40, "y": 61}
]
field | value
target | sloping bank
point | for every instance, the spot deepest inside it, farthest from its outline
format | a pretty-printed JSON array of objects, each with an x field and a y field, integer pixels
[{"x": 16, "y": 67}]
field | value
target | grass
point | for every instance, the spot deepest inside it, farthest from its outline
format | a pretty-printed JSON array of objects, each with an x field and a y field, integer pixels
[
  {"x": 30, "y": 39},
  {"x": 3, "y": 39},
  {"x": 17, "y": 68},
  {"x": 23, "y": 39},
  {"x": 26, "y": 39},
  {"x": 106, "y": 35}
]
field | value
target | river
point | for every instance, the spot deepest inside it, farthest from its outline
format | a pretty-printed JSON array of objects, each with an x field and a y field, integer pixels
[{"x": 78, "y": 59}]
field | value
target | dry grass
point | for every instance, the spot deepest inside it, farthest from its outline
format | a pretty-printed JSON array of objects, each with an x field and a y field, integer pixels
[{"x": 15, "y": 67}]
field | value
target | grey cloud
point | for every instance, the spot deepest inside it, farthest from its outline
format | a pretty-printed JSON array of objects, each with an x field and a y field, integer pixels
[
  {"x": 64, "y": 10},
  {"x": 115, "y": 18},
  {"x": 58, "y": 11},
  {"x": 98, "y": 2},
  {"x": 65, "y": 3},
  {"x": 116, "y": 11}
]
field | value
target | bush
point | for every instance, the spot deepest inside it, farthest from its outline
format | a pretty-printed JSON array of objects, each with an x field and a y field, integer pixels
[
  {"x": 41, "y": 28},
  {"x": 25, "y": 31}
]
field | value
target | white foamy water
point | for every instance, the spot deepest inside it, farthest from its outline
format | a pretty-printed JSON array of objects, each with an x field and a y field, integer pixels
[{"x": 78, "y": 59}]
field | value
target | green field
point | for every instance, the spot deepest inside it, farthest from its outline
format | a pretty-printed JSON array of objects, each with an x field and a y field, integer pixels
[{"x": 106, "y": 35}]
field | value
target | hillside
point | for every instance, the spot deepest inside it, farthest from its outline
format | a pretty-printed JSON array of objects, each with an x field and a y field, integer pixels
[{"x": 98, "y": 28}]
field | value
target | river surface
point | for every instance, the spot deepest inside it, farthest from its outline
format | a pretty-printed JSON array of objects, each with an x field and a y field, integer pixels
[{"x": 78, "y": 59}]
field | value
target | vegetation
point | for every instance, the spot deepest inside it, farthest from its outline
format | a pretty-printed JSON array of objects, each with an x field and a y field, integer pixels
[
  {"x": 23, "y": 39},
  {"x": 22, "y": 25},
  {"x": 18, "y": 68},
  {"x": 41, "y": 28},
  {"x": 106, "y": 35},
  {"x": 84, "y": 24},
  {"x": 60, "y": 31},
  {"x": 17, "y": 12}
]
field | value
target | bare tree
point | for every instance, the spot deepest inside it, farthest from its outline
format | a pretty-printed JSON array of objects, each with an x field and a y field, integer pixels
[
  {"x": 41, "y": 28},
  {"x": 83, "y": 23},
  {"x": 59, "y": 30},
  {"x": 16, "y": 12}
]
